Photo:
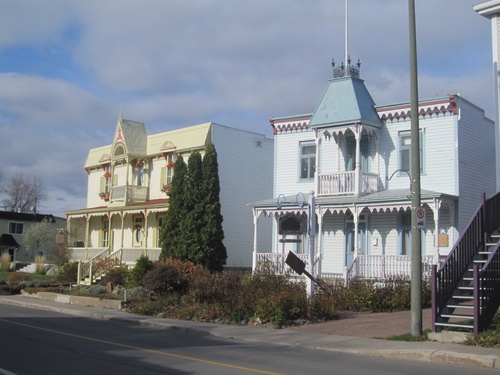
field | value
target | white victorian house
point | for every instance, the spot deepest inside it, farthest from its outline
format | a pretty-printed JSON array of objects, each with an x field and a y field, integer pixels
[
  {"x": 355, "y": 156},
  {"x": 127, "y": 194}
]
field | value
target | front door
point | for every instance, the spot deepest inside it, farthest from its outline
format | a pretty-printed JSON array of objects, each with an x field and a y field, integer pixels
[{"x": 349, "y": 250}]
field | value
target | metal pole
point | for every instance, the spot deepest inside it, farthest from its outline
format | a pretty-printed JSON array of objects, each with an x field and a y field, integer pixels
[{"x": 416, "y": 252}]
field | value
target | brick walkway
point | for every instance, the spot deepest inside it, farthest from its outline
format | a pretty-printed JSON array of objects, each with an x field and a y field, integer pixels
[{"x": 370, "y": 325}]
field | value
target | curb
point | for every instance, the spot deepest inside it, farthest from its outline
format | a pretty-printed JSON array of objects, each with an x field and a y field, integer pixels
[{"x": 429, "y": 351}]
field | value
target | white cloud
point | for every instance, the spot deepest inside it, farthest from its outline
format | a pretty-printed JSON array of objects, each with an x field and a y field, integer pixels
[{"x": 171, "y": 64}]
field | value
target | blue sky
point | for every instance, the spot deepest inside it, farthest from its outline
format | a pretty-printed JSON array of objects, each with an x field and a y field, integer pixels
[{"x": 68, "y": 67}]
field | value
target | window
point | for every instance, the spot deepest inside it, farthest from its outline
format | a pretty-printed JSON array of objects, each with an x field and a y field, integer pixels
[
  {"x": 167, "y": 172},
  {"x": 161, "y": 220},
  {"x": 16, "y": 228},
  {"x": 405, "y": 233},
  {"x": 105, "y": 233},
  {"x": 138, "y": 230},
  {"x": 405, "y": 151},
  {"x": 307, "y": 160}
]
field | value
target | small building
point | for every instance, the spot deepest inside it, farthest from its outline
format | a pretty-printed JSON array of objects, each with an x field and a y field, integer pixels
[
  {"x": 13, "y": 226},
  {"x": 355, "y": 157},
  {"x": 128, "y": 190}
]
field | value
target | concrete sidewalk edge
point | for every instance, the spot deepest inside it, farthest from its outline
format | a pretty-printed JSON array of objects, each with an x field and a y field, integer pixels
[{"x": 428, "y": 351}]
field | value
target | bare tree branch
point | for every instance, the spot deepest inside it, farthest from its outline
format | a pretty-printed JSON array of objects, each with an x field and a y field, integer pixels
[{"x": 24, "y": 193}]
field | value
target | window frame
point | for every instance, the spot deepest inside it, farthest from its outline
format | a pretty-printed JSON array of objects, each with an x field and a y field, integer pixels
[
  {"x": 15, "y": 230},
  {"x": 407, "y": 135},
  {"x": 310, "y": 158}
]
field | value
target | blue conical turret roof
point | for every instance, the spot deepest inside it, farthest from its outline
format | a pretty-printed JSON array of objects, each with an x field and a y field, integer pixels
[{"x": 346, "y": 101}]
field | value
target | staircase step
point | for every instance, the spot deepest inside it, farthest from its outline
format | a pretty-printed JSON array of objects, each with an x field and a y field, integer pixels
[
  {"x": 464, "y": 297},
  {"x": 460, "y": 306},
  {"x": 451, "y": 316},
  {"x": 457, "y": 325}
]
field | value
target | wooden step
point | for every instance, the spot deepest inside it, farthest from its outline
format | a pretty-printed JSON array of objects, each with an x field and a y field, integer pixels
[
  {"x": 451, "y": 316},
  {"x": 457, "y": 325},
  {"x": 464, "y": 297},
  {"x": 460, "y": 307}
]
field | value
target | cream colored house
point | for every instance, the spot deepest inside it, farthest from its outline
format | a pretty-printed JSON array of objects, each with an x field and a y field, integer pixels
[{"x": 127, "y": 197}]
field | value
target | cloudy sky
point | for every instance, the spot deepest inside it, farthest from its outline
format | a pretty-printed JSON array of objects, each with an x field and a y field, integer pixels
[{"x": 67, "y": 69}]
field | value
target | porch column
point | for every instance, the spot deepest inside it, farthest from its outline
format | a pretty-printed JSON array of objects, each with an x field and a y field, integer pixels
[
  {"x": 437, "y": 204},
  {"x": 87, "y": 235},
  {"x": 357, "y": 168},
  {"x": 316, "y": 166},
  {"x": 122, "y": 230},
  {"x": 319, "y": 271},
  {"x": 254, "y": 255},
  {"x": 146, "y": 230},
  {"x": 276, "y": 220},
  {"x": 356, "y": 234}
]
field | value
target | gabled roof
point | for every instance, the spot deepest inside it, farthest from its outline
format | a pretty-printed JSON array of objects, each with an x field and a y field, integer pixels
[
  {"x": 345, "y": 101},
  {"x": 133, "y": 135},
  {"x": 8, "y": 240},
  {"x": 184, "y": 139}
]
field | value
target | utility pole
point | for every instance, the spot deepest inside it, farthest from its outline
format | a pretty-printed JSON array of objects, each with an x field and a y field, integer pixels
[{"x": 416, "y": 252}]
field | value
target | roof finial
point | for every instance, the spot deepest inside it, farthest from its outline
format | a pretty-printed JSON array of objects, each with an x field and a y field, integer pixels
[
  {"x": 120, "y": 117},
  {"x": 346, "y": 44}
]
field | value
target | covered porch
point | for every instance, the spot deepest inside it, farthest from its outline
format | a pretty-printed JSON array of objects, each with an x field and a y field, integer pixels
[{"x": 357, "y": 237}]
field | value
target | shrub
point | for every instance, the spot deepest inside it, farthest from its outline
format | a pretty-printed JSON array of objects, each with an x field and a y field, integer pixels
[
  {"x": 60, "y": 255},
  {"x": 323, "y": 305},
  {"x": 68, "y": 272},
  {"x": 5, "y": 262},
  {"x": 164, "y": 279},
  {"x": 142, "y": 266},
  {"x": 17, "y": 277},
  {"x": 40, "y": 265},
  {"x": 116, "y": 276},
  {"x": 378, "y": 296}
]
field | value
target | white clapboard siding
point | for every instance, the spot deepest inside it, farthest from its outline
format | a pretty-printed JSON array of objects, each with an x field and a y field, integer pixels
[
  {"x": 333, "y": 243},
  {"x": 287, "y": 180},
  {"x": 246, "y": 175},
  {"x": 476, "y": 160}
]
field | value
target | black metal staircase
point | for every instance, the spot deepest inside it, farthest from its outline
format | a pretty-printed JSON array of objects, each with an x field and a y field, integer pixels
[{"x": 466, "y": 287}]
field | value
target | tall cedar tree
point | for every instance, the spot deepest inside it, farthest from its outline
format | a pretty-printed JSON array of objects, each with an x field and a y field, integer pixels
[
  {"x": 212, "y": 233},
  {"x": 192, "y": 222},
  {"x": 171, "y": 230}
]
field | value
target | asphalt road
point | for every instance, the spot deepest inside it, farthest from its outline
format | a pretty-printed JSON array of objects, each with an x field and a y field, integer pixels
[{"x": 44, "y": 342}]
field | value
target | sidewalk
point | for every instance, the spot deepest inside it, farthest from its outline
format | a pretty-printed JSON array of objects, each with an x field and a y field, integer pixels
[{"x": 328, "y": 337}]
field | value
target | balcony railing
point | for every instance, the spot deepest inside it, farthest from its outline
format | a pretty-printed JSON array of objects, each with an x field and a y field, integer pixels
[
  {"x": 345, "y": 183},
  {"x": 129, "y": 194}
]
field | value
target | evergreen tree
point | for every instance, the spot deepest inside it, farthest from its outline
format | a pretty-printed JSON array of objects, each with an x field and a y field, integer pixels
[
  {"x": 212, "y": 233},
  {"x": 193, "y": 226},
  {"x": 192, "y": 222},
  {"x": 171, "y": 230}
]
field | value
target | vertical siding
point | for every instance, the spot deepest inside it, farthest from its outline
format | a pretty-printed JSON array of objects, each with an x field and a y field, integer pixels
[{"x": 246, "y": 175}]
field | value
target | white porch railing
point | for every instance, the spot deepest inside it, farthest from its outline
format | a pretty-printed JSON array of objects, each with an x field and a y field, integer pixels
[
  {"x": 129, "y": 193},
  {"x": 345, "y": 183},
  {"x": 379, "y": 267},
  {"x": 387, "y": 266},
  {"x": 81, "y": 253},
  {"x": 277, "y": 262}
]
